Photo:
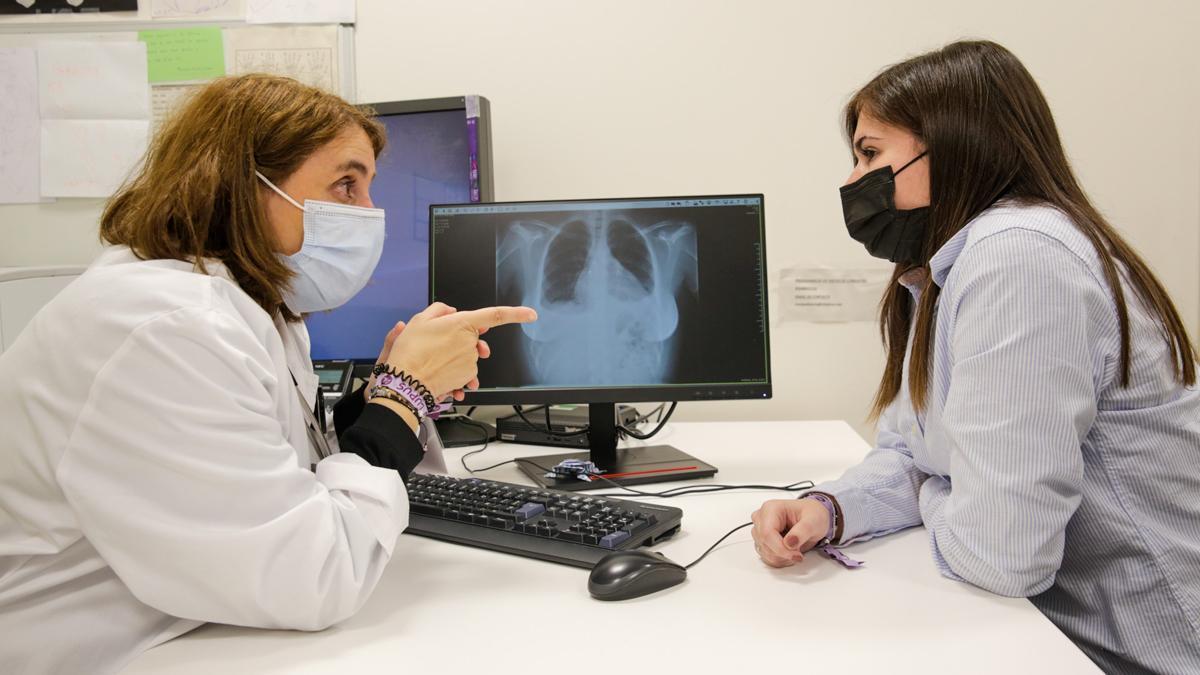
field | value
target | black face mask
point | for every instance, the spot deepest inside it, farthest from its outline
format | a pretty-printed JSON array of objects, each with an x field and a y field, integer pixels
[{"x": 869, "y": 207}]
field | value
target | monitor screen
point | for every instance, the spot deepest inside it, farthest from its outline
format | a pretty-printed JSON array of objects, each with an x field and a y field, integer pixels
[
  {"x": 638, "y": 299},
  {"x": 428, "y": 160}
]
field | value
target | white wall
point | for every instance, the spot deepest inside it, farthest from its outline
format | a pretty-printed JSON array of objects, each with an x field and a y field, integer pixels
[{"x": 633, "y": 97}]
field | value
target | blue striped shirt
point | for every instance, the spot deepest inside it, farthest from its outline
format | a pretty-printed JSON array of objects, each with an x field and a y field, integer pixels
[{"x": 1035, "y": 472}]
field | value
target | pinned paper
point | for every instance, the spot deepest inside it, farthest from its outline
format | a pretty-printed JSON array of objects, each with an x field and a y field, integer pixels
[
  {"x": 165, "y": 98},
  {"x": 89, "y": 158},
  {"x": 305, "y": 53},
  {"x": 206, "y": 9},
  {"x": 19, "y": 124},
  {"x": 831, "y": 295},
  {"x": 95, "y": 109},
  {"x": 300, "y": 11},
  {"x": 184, "y": 54},
  {"x": 93, "y": 80}
]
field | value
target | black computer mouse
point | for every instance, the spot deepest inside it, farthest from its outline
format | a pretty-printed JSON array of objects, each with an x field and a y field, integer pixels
[{"x": 631, "y": 574}]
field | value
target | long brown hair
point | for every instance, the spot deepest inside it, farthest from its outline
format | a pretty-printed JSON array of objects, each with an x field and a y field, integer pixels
[
  {"x": 990, "y": 135},
  {"x": 196, "y": 195}
]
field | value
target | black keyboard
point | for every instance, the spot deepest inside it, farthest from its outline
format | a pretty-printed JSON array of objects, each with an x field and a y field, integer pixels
[{"x": 554, "y": 525}]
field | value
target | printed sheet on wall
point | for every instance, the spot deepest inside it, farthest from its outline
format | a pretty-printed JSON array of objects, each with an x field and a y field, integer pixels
[{"x": 77, "y": 110}]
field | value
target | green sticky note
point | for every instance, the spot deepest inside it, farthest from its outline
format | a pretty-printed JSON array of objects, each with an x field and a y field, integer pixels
[{"x": 182, "y": 54}]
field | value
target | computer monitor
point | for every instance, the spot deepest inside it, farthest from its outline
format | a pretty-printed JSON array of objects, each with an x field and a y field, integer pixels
[
  {"x": 640, "y": 299},
  {"x": 438, "y": 150}
]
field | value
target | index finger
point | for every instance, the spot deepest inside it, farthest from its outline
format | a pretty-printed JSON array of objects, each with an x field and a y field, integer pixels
[{"x": 490, "y": 317}]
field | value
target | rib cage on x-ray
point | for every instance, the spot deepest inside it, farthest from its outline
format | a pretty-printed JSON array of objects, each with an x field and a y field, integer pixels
[{"x": 606, "y": 290}]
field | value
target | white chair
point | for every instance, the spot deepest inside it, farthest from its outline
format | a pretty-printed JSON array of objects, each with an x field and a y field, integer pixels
[{"x": 24, "y": 291}]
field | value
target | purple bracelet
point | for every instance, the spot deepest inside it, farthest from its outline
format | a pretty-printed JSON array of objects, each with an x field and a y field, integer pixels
[
  {"x": 824, "y": 546},
  {"x": 407, "y": 388}
]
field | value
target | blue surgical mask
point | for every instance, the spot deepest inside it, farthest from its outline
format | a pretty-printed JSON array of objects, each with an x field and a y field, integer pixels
[{"x": 342, "y": 245}]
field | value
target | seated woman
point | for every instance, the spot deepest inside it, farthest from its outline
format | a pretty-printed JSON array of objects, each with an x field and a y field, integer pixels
[
  {"x": 158, "y": 414},
  {"x": 1038, "y": 409}
]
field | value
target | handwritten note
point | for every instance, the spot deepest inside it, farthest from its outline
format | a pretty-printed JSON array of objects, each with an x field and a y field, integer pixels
[
  {"x": 18, "y": 126},
  {"x": 89, "y": 158},
  {"x": 93, "y": 80},
  {"x": 300, "y": 11},
  {"x": 207, "y": 9},
  {"x": 184, "y": 54}
]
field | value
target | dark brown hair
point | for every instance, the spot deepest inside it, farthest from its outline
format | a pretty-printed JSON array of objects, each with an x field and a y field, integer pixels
[
  {"x": 990, "y": 135},
  {"x": 196, "y": 195}
]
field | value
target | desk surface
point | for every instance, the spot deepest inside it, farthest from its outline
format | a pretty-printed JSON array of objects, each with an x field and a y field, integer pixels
[{"x": 446, "y": 608}]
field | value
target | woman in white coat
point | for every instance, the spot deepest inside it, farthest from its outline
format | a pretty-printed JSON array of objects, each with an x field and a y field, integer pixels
[{"x": 158, "y": 428}]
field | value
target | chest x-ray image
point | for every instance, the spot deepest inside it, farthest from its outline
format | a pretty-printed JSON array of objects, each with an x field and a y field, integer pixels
[{"x": 607, "y": 290}]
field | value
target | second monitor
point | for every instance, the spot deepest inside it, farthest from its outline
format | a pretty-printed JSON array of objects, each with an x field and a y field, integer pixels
[{"x": 643, "y": 299}]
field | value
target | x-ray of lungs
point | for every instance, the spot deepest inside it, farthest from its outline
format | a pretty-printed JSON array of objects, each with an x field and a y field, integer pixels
[{"x": 606, "y": 290}]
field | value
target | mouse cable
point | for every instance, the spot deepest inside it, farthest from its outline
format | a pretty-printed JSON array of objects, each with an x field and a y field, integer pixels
[
  {"x": 680, "y": 491},
  {"x": 463, "y": 460},
  {"x": 710, "y": 548}
]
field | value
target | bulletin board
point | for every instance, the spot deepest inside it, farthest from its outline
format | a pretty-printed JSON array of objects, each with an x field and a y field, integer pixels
[{"x": 81, "y": 94}]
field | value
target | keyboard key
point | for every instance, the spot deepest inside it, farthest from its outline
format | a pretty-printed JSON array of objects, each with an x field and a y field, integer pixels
[
  {"x": 634, "y": 526},
  {"x": 427, "y": 509},
  {"x": 529, "y": 511},
  {"x": 611, "y": 541}
]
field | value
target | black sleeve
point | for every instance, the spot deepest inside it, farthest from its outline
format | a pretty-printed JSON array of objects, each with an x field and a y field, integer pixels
[
  {"x": 381, "y": 437},
  {"x": 347, "y": 410}
]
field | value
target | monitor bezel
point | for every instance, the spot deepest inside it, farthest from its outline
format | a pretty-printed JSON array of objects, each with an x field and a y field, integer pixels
[
  {"x": 483, "y": 128},
  {"x": 630, "y": 394}
]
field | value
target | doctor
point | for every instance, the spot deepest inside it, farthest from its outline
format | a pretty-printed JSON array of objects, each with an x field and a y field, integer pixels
[
  {"x": 157, "y": 416},
  {"x": 1039, "y": 409}
]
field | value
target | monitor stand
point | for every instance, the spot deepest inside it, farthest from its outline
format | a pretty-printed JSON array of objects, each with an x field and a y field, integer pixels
[{"x": 626, "y": 466}]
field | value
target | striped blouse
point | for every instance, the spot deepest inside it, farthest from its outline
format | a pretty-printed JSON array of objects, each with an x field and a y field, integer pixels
[{"x": 1036, "y": 473}]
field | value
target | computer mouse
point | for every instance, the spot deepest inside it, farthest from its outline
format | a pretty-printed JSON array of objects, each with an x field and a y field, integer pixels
[{"x": 631, "y": 574}]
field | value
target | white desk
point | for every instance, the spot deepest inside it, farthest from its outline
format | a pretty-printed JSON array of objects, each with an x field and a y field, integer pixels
[{"x": 445, "y": 608}]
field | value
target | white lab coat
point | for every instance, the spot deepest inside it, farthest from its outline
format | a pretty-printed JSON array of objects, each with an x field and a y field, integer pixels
[{"x": 154, "y": 474}]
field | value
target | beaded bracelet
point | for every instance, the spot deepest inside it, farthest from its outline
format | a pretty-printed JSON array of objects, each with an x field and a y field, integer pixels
[{"x": 390, "y": 395}]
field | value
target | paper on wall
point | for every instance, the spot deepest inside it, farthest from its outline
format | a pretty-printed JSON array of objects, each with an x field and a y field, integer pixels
[
  {"x": 19, "y": 124},
  {"x": 828, "y": 295},
  {"x": 90, "y": 80},
  {"x": 89, "y": 158},
  {"x": 184, "y": 54},
  {"x": 300, "y": 11},
  {"x": 306, "y": 53},
  {"x": 198, "y": 9},
  {"x": 164, "y": 98}
]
